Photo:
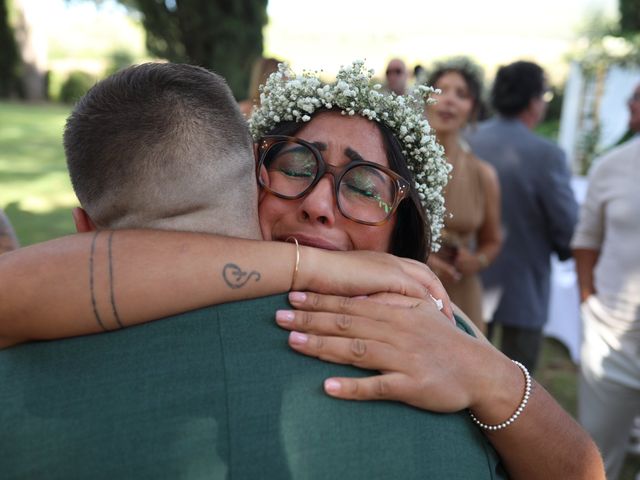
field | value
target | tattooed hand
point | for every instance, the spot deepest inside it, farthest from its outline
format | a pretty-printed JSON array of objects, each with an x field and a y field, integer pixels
[{"x": 8, "y": 240}]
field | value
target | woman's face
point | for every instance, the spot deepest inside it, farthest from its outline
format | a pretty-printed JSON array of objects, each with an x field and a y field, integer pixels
[
  {"x": 315, "y": 219},
  {"x": 455, "y": 103}
]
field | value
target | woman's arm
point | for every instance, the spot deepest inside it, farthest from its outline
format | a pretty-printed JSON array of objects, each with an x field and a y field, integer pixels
[
  {"x": 430, "y": 364},
  {"x": 90, "y": 283},
  {"x": 489, "y": 238}
]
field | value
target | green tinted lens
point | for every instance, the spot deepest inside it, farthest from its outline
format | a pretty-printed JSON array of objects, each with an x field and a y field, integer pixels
[
  {"x": 290, "y": 167},
  {"x": 367, "y": 194}
]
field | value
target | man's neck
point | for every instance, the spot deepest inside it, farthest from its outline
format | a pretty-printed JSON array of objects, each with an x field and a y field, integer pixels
[{"x": 528, "y": 118}]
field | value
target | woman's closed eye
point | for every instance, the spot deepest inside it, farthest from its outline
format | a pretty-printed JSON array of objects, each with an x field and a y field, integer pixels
[{"x": 294, "y": 162}]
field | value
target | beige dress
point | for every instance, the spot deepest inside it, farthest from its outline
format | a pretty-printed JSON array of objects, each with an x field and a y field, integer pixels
[{"x": 465, "y": 200}]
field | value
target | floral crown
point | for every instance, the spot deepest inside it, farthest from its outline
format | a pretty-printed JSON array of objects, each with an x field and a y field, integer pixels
[
  {"x": 286, "y": 97},
  {"x": 460, "y": 63}
]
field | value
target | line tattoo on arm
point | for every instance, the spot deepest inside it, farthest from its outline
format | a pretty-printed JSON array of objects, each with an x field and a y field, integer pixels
[
  {"x": 91, "y": 282},
  {"x": 235, "y": 277},
  {"x": 111, "y": 294}
]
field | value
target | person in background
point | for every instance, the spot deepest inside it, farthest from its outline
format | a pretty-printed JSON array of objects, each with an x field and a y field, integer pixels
[
  {"x": 472, "y": 236},
  {"x": 538, "y": 207},
  {"x": 605, "y": 248},
  {"x": 8, "y": 239},
  {"x": 397, "y": 76},
  {"x": 262, "y": 68}
]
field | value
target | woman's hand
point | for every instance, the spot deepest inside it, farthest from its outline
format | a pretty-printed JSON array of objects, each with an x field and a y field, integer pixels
[
  {"x": 444, "y": 271},
  {"x": 424, "y": 360},
  {"x": 364, "y": 273},
  {"x": 467, "y": 262}
]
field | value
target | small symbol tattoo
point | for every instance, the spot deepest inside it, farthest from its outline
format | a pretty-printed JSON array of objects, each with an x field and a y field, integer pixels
[{"x": 235, "y": 277}]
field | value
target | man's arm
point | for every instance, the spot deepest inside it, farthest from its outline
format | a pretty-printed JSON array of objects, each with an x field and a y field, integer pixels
[
  {"x": 8, "y": 239},
  {"x": 586, "y": 260},
  {"x": 558, "y": 201}
]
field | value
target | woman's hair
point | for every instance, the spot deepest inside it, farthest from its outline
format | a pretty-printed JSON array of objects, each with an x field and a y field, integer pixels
[
  {"x": 472, "y": 76},
  {"x": 515, "y": 86},
  {"x": 411, "y": 237}
]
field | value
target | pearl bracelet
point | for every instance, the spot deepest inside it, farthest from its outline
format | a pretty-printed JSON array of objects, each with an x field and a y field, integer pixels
[{"x": 516, "y": 414}]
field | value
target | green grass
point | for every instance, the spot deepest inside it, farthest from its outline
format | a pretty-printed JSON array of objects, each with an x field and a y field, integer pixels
[
  {"x": 36, "y": 192},
  {"x": 37, "y": 196}
]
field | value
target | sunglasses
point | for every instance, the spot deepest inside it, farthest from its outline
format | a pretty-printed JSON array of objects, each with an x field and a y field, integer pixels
[{"x": 366, "y": 192}]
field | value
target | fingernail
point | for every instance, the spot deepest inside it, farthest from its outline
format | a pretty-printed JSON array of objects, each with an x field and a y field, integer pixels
[
  {"x": 284, "y": 317},
  {"x": 297, "y": 297},
  {"x": 298, "y": 338},
  {"x": 331, "y": 386}
]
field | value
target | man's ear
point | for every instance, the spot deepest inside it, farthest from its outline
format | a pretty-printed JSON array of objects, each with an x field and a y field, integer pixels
[{"x": 82, "y": 220}]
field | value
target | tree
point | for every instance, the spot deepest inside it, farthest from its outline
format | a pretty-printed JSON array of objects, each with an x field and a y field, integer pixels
[
  {"x": 9, "y": 55},
  {"x": 222, "y": 35},
  {"x": 629, "y": 16}
]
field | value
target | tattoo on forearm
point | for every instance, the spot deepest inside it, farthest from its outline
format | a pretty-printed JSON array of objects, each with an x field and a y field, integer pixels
[
  {"x": 111, "y": 294},
  {"x": 234, "y": 277},
  {"x": 91, "y": 282}
]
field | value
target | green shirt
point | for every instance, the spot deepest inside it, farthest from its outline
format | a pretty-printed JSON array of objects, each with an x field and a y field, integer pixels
[{"x": 213, "y": 393}]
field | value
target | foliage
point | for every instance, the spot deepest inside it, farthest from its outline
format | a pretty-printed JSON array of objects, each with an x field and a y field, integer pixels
[
  {"x": 119, "y": 59},
  {"x": 629, "y": 16},
  {"x": 222, "y": 35},
  {"x": 76, "y": 85},
  {"x": 36, "y": 191},
  {"x": 9, "y": 55}
]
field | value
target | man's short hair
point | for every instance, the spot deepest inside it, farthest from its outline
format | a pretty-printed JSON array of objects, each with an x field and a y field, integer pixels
[
  {"x": 515, "y": 86},
  {"x": 162, "y": 145}
]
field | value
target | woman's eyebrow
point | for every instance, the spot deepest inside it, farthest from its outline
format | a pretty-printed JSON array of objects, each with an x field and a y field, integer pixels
[{"x": 353, "y": 155}]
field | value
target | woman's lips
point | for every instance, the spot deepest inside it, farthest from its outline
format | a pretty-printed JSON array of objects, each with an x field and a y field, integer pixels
[
  {"x": 310, "y": 241},
  {"x": 445, "y": 116}
]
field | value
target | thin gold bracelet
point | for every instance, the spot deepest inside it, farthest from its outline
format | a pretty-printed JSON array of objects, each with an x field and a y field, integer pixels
[{"x": 297, "y": 267}]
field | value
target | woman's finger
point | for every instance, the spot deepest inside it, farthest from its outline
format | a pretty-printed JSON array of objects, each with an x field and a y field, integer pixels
[
  {"x": 319, "y": 302},
  {"x": 389, "y": 386},
  {"x": 335, "y": 324},
  {"x": 432, "y": 283},
  {"x": 368, "y": 354}
]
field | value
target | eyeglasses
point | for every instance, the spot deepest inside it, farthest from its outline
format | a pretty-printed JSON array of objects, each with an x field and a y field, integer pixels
[{"x": 366, "y": 192}]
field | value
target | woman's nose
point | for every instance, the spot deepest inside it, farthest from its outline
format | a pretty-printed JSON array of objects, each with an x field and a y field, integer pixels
[{"x": 320, "y": 204}]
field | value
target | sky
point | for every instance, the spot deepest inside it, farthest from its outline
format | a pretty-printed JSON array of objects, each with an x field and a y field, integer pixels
[
  {"x": 333, "y": 32},
  {"x": 325, "y": 34}
]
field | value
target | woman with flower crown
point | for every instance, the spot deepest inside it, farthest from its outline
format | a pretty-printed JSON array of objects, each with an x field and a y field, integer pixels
[
  {"x": 387, "y": 176},
  {"x": 471, "y": 237}
]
